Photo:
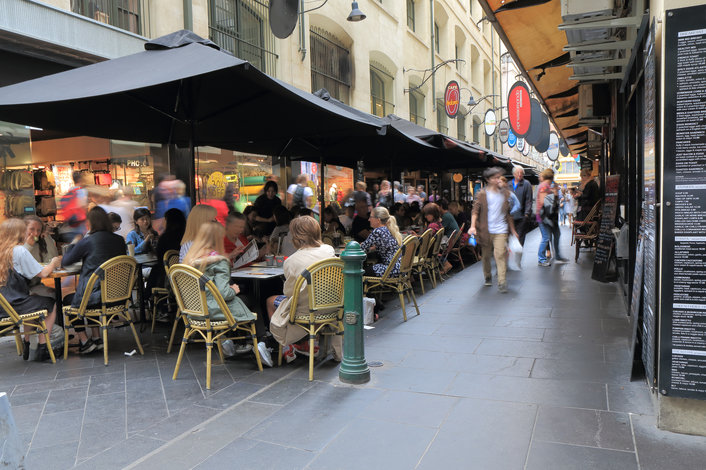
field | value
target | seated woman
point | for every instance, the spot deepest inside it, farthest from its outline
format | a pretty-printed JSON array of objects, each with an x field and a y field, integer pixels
[
  {"x": 385, "y": 239},
  {"x": 235, "y": 241},
  {"x": 432, "y": 216},
  {"x": 331, "y": 222},
  {"x": 92, "y": 251},
  {"x": 199, "y": 215},
  {"x": 399, "y": 212},
  {"x": 208, "y": 256},
  {"x": 143, "y": 237},
  {"x": 116, "y": 221},
  {"x": 169, "y": 240},
  {"x": 42, "y": 248},
  {"x": 18, "y": 267},
  {"x": 306, "y": 236},
  {"x": 265, "y": 205},
  {"x": 280, "y": 241}
]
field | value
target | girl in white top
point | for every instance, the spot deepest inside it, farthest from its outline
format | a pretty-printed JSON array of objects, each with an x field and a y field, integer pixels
[{"x": 199, "y": 215}]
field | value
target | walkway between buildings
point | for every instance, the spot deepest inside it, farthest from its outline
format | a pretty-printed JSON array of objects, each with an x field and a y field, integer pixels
[{"x": 535, "y": 379}]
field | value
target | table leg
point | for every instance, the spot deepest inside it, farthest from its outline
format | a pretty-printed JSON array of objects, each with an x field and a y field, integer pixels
[
  {"x": 59, "y": 304},
  {"x": 141, "y": 296}
]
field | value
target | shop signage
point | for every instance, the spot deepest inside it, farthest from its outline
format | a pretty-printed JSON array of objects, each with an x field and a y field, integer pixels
[
  {"x": 520, "y": 144},
  {"x": 553, "y": 149},
  {"x": 503, "y": 131},
  {"x": 606, "y": 240},
  {"x": 564, "y": 149},
  {"x": 457, "y": 177},
  {"x": 511, "y": 138},
  {"x": 519, "y": 109},
  {"x": 534, "y": 133},
  {"x": 490, "y": 122},
  {"x": 526, "y": 149},
  {"x": 216, "y": 185},
  {"x": 452, "y": 97}
]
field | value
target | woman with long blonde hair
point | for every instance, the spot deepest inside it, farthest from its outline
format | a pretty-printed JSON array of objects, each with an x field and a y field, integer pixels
[
  {"x": 17, "y": 267},
  {"x": 385, "y": 239},
  {"x": 208, "y": 256},
  {"x": 199, "y": 215}
]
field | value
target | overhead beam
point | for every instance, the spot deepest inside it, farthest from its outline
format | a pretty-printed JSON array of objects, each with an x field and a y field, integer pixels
[
  {"x": 598, "y": 46},
  {"x": 600, "y": 63},
  {"x": 598, "y": 76},
  {"x": 626, "y": 22}
]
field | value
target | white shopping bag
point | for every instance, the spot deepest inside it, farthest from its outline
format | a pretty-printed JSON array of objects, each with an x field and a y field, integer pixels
[
  {"x": 514, "y": 261},
  {"x": 368, "y": 310}
]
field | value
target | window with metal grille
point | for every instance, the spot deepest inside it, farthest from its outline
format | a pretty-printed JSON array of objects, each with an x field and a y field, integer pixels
[
  {"x": 436, "y": 38},
  {"x": 441, "y": 118},
  {"x": 380, "y": 82},
  {"x": 242, "y": 27},
  {"x": 461, "y": 126},
  {"x": 456, "y": 56},
  {"x": 416, "y": 107},
  {"x": 130, "y": 15},
  {"x": 330, "y": 65},
  {"x": 410, "y": 14},
  {"x": 476, "y": 130},
  {"x": 487, "y": 140}
]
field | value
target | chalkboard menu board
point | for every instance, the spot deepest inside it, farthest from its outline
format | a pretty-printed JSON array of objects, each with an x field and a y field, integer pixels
[
  {"x": 606, "y": 239},
  {"x": 648, "y": 332},
  {"x": 682, "y": 351}
]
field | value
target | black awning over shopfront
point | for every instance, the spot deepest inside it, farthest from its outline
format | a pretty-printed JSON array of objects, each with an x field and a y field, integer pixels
[{"x": 183, "y": 90}]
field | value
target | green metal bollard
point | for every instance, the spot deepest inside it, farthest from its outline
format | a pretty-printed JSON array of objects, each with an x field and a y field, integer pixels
[{"x": 354, "y": 367}]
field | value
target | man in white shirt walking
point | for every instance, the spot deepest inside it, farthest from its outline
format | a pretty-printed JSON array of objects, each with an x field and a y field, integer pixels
[{"x": 491, "y": 223}]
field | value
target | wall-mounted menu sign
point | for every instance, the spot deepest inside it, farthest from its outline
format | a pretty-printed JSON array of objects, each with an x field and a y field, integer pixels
[
  {"x": 682, "y": 323},
  {"x": 606, "y": 239}
]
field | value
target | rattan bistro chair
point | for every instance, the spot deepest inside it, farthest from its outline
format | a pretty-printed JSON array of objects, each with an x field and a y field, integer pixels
[
  {"x": 586, "y": 231},
  {"x": 432, "y": 262},
  {"x": 402, "y": 283},
  {"x": 453, "y": 240},
  {"x": 324, "y": 286},
  {"x": 117, "y": 278},
  {"x": 164, "y": 294},
  {"x": 420, "y": 258},
  {"x": 11, "y": 324},
  {"x": 190, "y": 287}
]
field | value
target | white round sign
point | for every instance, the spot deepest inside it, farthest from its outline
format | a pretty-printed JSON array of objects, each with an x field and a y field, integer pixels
[
  {"x": 553, "y": 149},
  {"x": 503, "y": 131},
  {"x": 521, "y": 144},
  {"x": 526, "y": 150},
  {"x": 490, "y": 122}
]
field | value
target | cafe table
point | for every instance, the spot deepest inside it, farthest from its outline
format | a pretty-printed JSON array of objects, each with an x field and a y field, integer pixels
[
  {"x": 257, "y": 272},
  {"x": 148, "y": 259}
]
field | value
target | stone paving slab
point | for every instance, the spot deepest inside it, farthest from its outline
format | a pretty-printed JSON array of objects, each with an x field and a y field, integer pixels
[{"x": 534, "y": 379}]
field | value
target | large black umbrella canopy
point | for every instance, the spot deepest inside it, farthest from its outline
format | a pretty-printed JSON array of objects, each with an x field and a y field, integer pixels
[{"x": 182, "y": 89}]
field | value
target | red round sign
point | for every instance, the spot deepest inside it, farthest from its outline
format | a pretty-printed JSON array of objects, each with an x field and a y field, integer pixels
[
  {"x": 452, "y": 97},
  {"x": 519, "y": 109}
]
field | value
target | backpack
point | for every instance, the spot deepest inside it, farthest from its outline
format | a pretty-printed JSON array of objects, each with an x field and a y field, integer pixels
[
  {"x": 70, "y": 208},
  {"x": 298, "y": 198},
  {"x": 550, "y": 212},
  {"x": 515, "y": 206}
]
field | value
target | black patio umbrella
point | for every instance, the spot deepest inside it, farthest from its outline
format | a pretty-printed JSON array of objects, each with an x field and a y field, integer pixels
[{"x": 182, "y": 89}]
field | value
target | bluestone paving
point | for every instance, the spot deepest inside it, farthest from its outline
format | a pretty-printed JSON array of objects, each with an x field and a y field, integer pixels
[{"x": 534, "y": 379}]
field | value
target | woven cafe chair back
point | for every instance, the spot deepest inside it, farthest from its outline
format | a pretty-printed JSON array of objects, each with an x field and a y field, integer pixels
[
  {"x": 190, "y": 287},
  {"x": 396, "y": 257},
  {"x": 409, "y": 249},
  {"x": 435, "y": 245},
  {"x": 423, "y": 248},
  {"x": 171, "y": 257},
  {"x": 325, "y": 284}
]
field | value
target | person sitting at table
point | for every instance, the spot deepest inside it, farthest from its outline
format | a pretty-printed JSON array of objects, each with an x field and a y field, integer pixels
[
  {"x": 432, "y": 216},
  {"x": 144, "y": 237},
  {"x": 116, "y": 221},
  {"x": 306, "y": 236},
  {"x": 447, "y": 218},
  {"x": 19, "y": 267},
  {"x": 170, "y": 239},
  {"x": 42, "y": 248},
  {"x": 199, "y": 215},
  {"x": 399, "y": 212},
  {"x": 92, "y": 251},
  {"x": 361, "y": 223},
  {"x": 385, "y": 239},
  {"x": 235, "y": 241},
  {"x": 250, "y": 214},
  {"x": 331, "y": 222},
  {"x": 265, "y": 204},
  {"x": 208, "y": 255},
  {"x": 280, "y": 240},
  {"x": 346, "y": 218},
  {"x": 415, "y": 214}
]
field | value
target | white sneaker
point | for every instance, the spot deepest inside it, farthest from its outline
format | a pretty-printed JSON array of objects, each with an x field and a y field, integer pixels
[{"x": 265, "y": 355}]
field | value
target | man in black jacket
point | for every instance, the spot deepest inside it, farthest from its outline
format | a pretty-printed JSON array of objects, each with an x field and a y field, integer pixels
[{"x": 523, "y": 191}]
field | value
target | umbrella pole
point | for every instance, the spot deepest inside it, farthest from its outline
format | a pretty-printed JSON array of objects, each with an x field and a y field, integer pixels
[{"x": 321, "y": 192}]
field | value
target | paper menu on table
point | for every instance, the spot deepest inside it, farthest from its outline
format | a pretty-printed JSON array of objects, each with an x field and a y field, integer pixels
[{"x": 250, "y": 254}]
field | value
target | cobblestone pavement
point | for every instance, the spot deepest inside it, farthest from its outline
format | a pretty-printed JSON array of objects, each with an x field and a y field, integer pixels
[{"x": 534, "y": 379}]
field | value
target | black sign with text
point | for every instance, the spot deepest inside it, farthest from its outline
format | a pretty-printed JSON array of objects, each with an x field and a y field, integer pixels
[{"x": 606, "y": 239}]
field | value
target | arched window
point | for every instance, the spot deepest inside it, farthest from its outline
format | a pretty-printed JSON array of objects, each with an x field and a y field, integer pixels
[
  {"x": 441, "y": 118},
  {"x": 416, "y": 107},
  {"x": 410, "y": 15},
  {"x": 330, "y": 65},
  {"x": 476, "y": 130},
  {"x": 380, "y": 82},
  {"x": 460, "y": 126}
]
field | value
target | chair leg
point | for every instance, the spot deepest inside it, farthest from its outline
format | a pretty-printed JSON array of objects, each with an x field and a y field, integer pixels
[
  {"x": 209, "y": 347},
  {"x": 67, "y": 325},
  {"x": 312, "y": 336},
  {"x": 134, "y": 333},
  {"x": 48, "y": 339},
  {"x": 253, "y": 335},
  {"x": 104, "y": 333},
  {"x": 421, "y": 281},
  {"x": 279, "y": 357},
  {"x": 174, "y": 327},
  {"x": 404, "y": 310},
  {"x": 220, "y": 351},
  {"x": 154, "y": 314},
  {"x": 414, "y": 299},
  {"x": 18, "y": 342},
  {"x": 184, "y": 340}
]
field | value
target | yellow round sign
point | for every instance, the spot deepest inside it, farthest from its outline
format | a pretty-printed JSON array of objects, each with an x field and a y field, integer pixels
[
  {"x": 216, "y": 185},
  {"x": 457, "y": 177}
]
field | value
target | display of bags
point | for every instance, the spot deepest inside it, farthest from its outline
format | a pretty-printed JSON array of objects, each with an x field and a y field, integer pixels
[{"x": 46, "y": 206}]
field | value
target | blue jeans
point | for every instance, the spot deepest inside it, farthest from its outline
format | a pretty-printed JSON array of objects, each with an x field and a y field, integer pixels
[{"x": 549, "y": 233}]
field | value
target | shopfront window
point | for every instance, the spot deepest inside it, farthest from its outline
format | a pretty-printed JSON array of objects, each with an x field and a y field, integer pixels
[
  {"x": 242, "y": 28},
  {"x": 330, "y": 66}
]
